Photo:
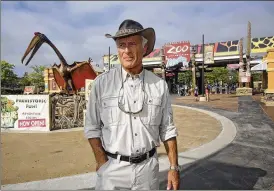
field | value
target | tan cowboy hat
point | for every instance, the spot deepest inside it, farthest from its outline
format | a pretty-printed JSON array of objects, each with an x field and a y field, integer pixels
[{"x": 130, "y": 27}]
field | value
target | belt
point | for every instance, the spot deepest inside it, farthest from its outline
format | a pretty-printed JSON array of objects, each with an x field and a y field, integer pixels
[{"x": 135, "y": 159}]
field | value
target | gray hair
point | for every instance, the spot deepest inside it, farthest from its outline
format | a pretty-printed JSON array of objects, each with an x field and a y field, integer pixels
[{"x": 144, "y": 42}]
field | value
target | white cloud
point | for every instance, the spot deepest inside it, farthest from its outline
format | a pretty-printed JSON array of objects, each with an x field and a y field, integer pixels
[{"x": 77, "y": 28}]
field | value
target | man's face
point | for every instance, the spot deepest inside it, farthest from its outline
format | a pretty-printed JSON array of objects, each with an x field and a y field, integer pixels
[{"x": 130, "y": 51}]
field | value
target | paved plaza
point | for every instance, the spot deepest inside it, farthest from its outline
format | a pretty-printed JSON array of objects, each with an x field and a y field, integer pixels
[
  {"x": 37, "y": 156},
  {"x": 215, "y": 157},
  {"x": 247, "y": 163}
]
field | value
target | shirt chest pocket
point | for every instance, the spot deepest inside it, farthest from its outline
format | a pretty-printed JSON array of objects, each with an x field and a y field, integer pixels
[
  {"x": 152, "y": 111},
  {"x": 109, "y": 111}
]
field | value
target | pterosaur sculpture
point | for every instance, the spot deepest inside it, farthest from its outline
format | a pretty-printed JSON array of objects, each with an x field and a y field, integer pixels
[{"x": 73, "y": 75}]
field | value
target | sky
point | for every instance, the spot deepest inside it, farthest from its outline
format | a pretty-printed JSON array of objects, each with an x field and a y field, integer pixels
[{"x": 77, "y": 28}]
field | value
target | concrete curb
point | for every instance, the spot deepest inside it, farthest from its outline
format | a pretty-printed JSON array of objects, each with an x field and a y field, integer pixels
[
  {"x": 88, "y": 180},
  {"x": 3, "y": 130}
]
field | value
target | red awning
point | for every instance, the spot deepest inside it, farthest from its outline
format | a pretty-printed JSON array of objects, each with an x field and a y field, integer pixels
[
  {"x": 170, "y": 74},
  {"x": 233, "y": 66}
]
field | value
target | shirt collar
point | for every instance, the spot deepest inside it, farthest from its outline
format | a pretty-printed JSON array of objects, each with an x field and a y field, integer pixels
[{"x": 126, "y": 75}]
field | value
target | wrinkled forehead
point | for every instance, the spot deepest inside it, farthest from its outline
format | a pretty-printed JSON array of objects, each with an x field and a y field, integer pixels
[{"x": 134, "y": 38}]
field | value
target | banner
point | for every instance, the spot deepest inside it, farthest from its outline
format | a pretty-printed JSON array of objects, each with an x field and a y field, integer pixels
[
  {"x": 25, "y": 112},
  {"x": 209, "y": 54},
  {"x": 177, "y": 52},
  {"x": 113, "y": 60},
  {"x": 88, "y": 86}
]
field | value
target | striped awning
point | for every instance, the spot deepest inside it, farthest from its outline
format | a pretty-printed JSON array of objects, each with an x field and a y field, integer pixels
[{"x": 260, "y": 67}]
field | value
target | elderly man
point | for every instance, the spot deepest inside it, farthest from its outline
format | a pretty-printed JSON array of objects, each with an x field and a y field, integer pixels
[{"x": 129, "y": 112}]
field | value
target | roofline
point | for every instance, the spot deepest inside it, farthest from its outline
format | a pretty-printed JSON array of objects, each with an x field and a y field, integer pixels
[{"x": 221, "y": 58}]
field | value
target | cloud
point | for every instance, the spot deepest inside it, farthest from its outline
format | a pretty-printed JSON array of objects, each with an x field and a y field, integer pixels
[{"x": 77, "y": 28}]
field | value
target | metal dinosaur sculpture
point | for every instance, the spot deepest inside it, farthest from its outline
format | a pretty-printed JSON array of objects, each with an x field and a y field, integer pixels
[{"x": 73, "y": 75}]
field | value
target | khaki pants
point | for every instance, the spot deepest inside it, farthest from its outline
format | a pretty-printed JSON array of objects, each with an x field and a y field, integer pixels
[{"x": 116, "y": 175}]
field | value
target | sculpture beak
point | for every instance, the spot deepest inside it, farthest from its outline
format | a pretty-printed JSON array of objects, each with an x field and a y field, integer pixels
[{"x": 35, "y": 44}]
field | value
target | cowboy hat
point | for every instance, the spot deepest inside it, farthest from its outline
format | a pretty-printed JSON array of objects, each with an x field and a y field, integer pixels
[{"x": 130, "y": 27}]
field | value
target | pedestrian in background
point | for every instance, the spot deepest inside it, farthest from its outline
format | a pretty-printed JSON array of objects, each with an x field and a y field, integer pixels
[
  {"x": 207, "y": 93},
  {"x": 196, "y": 93}
]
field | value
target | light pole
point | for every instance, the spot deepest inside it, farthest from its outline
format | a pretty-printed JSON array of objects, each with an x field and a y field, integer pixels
[
  {"x": 108, "y": 58},
  {"x": 203, "y": 77}
]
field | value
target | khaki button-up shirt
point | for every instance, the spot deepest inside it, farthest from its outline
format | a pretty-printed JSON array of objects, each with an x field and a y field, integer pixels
[{"x": 123, "y": 133}]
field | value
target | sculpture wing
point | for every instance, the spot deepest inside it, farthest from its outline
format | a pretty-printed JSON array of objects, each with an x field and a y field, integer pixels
[
  {"x": 60, "y": 81},
  {"x": 81, "y": 73}
]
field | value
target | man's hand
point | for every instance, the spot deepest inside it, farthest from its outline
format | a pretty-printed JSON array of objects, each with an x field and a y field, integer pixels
[
  {"x": 100, "y": 164},
  {"x": 173, "y": 180},
  {"x": 99, "y": 152}
]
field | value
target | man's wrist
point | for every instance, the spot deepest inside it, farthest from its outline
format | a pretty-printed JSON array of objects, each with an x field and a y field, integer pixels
[{"x": 175, "y": 167}]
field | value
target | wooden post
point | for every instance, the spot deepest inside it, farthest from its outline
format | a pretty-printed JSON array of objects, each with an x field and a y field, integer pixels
[
  {"x": 248, "y": 54},
  {"x": 241, "y": 63}
]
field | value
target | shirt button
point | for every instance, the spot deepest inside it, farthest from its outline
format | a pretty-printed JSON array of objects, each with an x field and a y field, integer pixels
[
  {"x": 137, "y": 151},
  {"x": 134, "y": 117},
  {"x": 135, "y": 134},
  {"x": 134, "y": 101},
  {"x": 132, "y": 86}
]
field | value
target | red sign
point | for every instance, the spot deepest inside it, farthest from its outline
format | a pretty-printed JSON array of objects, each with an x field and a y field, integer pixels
[
  {"x": 31, "y": 123},
  {"x": 29, "y": 89},
  {"x": 177, "y": 49}
]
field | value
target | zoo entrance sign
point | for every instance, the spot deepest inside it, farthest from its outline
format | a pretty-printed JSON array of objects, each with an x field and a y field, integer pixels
[
  {"x": 177, "y": 52},
  {"x": 25, "y": 112}
]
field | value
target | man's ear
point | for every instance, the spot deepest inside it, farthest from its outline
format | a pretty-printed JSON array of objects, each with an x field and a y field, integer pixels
[{"x": 145, "y": 49}]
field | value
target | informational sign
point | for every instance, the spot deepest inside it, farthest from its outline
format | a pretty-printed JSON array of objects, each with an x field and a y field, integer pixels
[
  {"x": 157, "y": 70},
  {"x": 244, "y": 79},
  {"x": 248, "y": 74},
  {"x": 84, "y": 117},
  {"x": 88, "y": 86},
  {"x": 25, "y": 112},
  {"x": 177, "y": 52},
  {"x": 113, "y": 60},
  {"x": 209, "y": 54}
]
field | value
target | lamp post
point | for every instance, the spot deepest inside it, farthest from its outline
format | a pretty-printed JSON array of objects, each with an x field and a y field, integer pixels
[
  {"x": 203, "y": 77},
  {"x": 108, "y": 58}
]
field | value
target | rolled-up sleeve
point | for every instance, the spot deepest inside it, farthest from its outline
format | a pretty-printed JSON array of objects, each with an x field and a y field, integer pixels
[
  {"x": 167, "y": 127},
  {"x": 92, "y": 127}
]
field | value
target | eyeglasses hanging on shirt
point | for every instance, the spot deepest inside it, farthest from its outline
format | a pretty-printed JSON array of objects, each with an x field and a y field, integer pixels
[{"x": 121, "y": 98}]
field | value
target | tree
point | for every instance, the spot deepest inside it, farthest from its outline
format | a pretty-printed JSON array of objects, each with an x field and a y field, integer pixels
[
  {"x": 257, "y": 76},
  {"x": 218, "y": 74},
  {"x": 8, "y": 77},
  {"x": 36, "y": 78},
  {"x": 185, "y": 77},
  {"x": 25, "y": 81},
  {"x": 234, "y": 77}
]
